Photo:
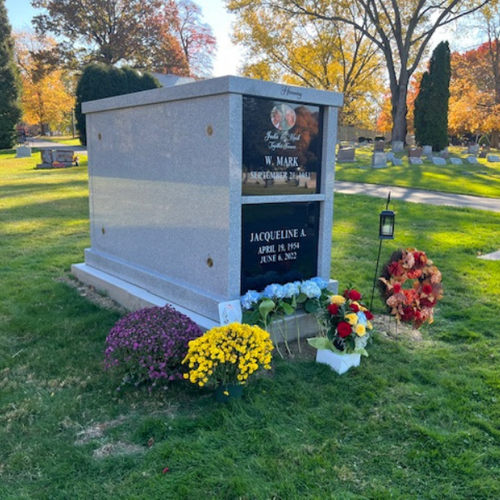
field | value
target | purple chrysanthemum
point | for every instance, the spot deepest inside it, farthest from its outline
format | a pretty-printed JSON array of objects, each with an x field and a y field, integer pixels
[{"x": 150, "y": 344}]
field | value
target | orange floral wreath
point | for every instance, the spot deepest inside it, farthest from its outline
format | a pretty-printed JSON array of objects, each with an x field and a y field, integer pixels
[{"x": 414, "y": 304}]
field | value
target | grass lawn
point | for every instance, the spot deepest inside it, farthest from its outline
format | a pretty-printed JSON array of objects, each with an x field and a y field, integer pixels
[
  {"x": 70, "y": 141},
  {"x": 482, "y": 179},
  {"x": 417, "y": 419}
]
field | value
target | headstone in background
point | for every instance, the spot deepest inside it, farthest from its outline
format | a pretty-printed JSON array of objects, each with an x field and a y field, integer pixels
[
  {"x": 493, "y": 158},
  {"x": 473, "y": 149},
  {"x": 438, "y": 161},
  {"x": 346, "y": 155},
  {"x": 456, "y": 161},
  {"x": 397, "y": 146},
  {"x": 64, "y": 157},
  {"x": 47, "y": 156},
  {"x": 482, "y": 154},
  {"x": 23, "y": 152},
  {"x": 427, "y": 150},
  {"x": 189, "y": 220},
  {"x": 444, "y": 153},
  {"x": 379, "y": 146},
  {"x": 390, "y": 156},
  {"x": 397, "y": 162},
  {"x": 47, "y": 159},
  {"x": 379, "y": 160},
  {"x": 472, "y": 159},
  {"x": 415, "y": 153},
  {"x": 415, "y": 161}
]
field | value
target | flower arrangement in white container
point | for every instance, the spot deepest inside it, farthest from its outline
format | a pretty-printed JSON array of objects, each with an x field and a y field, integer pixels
[{"x": 346, "y": 329}]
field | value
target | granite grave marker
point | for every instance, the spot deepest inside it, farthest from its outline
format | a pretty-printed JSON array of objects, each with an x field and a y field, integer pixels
[{"x": 208, "y": 189}]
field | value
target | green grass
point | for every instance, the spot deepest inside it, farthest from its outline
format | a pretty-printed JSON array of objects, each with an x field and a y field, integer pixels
[
  {"x": 415, "y": 420},
  {"x": 70, "y": 141},
  {"x": 482, "y": 179}
]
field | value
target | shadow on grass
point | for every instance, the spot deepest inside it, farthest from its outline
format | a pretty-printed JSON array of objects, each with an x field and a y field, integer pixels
[{"x": 23, "y": 188}]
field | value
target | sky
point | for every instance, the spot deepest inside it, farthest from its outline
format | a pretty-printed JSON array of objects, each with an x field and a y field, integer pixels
[{"x": 229, "y": 57}]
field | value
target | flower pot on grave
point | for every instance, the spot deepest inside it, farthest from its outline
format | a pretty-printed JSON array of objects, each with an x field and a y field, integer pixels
[
  {"x": 337, "y": 362},
  {"x": 225, "y": 393}
]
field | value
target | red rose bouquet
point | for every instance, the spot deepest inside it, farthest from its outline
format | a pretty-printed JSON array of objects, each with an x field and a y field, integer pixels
[{"x": 346, "y": 323}]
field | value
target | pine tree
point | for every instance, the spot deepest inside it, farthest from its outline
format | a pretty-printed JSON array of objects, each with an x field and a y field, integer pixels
[
  {"x": 431, "y": 105},
  {"x": 10, "y": 89}
]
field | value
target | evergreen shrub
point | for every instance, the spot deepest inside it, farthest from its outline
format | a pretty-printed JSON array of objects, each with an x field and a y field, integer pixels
[{"x": 99, "y": 81}]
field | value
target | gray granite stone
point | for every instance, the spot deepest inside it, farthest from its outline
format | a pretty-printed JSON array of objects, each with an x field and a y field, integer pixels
[
  {"x": 438, "y": 161},
  {"x": 415, "y": 161},
  {"x": 390, "y": 156},
  {"x": 472, "y": 159},
  {"x": 346, "y": 155},
  {"x": 493, "y": 158},
  {"x": 456, "y": 161},
  {"x": 397, "y": 146},
  {"x": 23, "y": 152},
  {"x": 397, "y": 162},
  {"x": 427, "y": 150},
  {"x": 216, "y": 86},
  {"x": 165, "y": 170},
  {"x": 379, "y": 160}
]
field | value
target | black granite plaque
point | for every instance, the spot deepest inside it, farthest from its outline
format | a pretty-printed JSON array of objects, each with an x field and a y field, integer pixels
[
  {"x": 279, "y": 243},
  {"x": 281, "y": 147}
]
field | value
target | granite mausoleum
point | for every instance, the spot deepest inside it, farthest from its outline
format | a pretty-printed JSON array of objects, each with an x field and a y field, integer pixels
[{"x": 205, "y": 190}]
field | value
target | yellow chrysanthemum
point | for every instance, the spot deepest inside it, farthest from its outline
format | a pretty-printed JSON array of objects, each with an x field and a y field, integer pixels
[
  {"x": 233, "y": 351},
  {"x": 337, "y": 299}
]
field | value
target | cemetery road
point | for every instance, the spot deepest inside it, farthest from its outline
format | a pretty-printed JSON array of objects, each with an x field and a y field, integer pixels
[{"x": 419, "y": 196}]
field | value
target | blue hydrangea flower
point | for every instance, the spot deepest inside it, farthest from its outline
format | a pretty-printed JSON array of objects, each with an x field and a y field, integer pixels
[
  {"x": 320, "y": 282},
  {"x": 274, "y": 291},
  {"x": 310, "y": 289},
  {"x": 290, "y": 289},
  {"x": 250, "y": 298},
  {"x": 362, "y": 318}
]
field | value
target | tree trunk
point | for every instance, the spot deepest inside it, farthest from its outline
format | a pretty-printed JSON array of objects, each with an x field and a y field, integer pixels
[
  {"x": 495, "y": 139},
  {"x": 399, "y": 110}
]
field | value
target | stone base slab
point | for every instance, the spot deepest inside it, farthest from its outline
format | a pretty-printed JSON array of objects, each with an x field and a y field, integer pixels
[{"x": 133, "y": 298}]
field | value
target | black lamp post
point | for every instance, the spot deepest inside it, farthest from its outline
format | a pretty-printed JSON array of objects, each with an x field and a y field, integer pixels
[{"x": 385, "y": 232}]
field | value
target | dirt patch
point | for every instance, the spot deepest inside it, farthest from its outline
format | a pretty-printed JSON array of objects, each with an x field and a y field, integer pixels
[
  {"x": 388, "y": 327},
  {"x": 91, "y": 294},
  {"x": 96, "y": 431},
  {"x": 118, "y": 448}
]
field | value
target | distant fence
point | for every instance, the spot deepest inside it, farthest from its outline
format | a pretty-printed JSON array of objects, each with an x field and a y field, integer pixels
[{"x": 351, "y": 134}]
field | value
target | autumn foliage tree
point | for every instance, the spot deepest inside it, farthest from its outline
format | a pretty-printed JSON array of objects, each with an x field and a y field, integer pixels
[
  {"x": 47, "y": 98},
  {"x": 475, "y": 86},
  {"x": 384, "y": 119},
  {"x": 401, "y": 30},
  {"x": 311, "y": 52},
  {"x": 195, "y": 37},
  {"x": 157, "y": 35},
  {"x": 10, "y": 110}
]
